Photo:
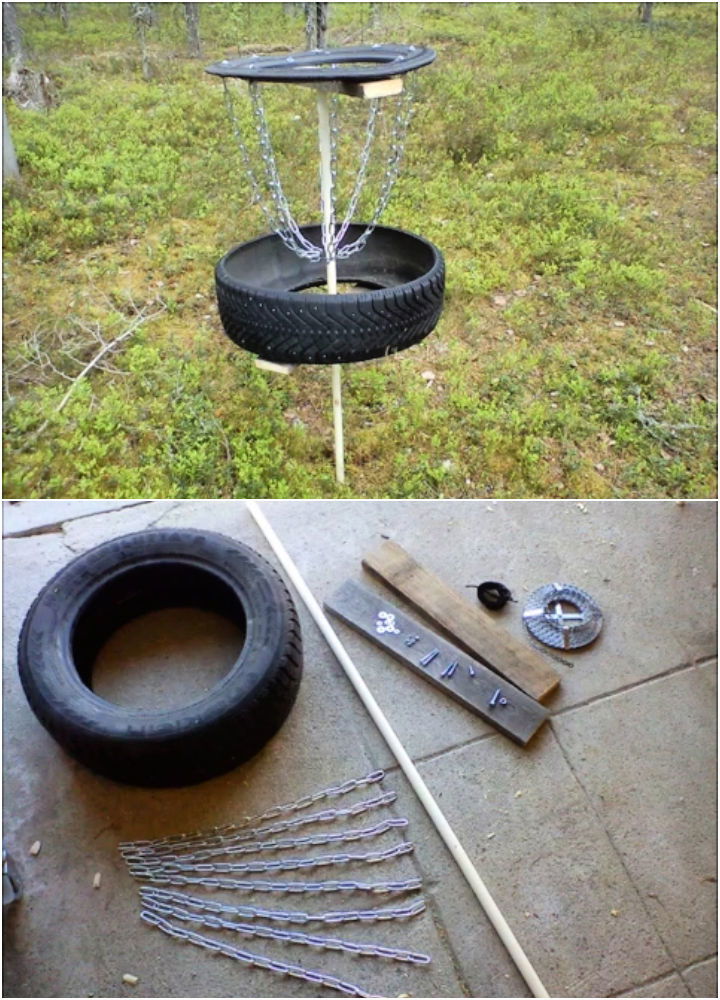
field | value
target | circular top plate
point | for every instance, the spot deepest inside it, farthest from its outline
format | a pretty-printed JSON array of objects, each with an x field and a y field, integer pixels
[
  {"x": 546, "y": 619},
  {"x": 356, "y": 64}
]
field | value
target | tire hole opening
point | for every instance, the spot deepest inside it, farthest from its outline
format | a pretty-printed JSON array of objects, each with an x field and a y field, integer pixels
[{"x": 159, "y": 637}]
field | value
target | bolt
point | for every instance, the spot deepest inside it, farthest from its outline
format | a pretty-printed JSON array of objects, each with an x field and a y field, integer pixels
[
  {"x": 494, "y": 700},
  {"x": 471, "y": 670},
  {"x": 429, "y": 657}
]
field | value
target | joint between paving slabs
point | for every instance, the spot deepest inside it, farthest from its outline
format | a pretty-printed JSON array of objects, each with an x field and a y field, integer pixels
[
  {"x": 694, "y": 965},
  {"x": 59, "y": 526},
  {"x": 429, "y": 883},
  {"x": 700, "y": 661},
  {"x": 618, "y": 854}
]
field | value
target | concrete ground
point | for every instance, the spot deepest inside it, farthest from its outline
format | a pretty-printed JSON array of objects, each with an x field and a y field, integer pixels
[{"x": 597, "y": 841}]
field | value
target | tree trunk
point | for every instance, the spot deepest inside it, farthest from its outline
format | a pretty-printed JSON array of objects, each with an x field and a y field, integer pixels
[
  {"x": 11, "y": 171},
  {"x": 375, "y": 15},
  {"x": 143, "y": 17},
  {"x": 12, "y": 41},
  {"x": 192, "y": 20},
  {"x": 315, "y": 25},
  {"x": 645, "y": 12},
  {"x": 64, "y": 12}
]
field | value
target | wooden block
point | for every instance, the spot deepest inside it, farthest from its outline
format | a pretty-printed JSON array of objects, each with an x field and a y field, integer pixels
[
  {"x": 389, "y": 87},
  {"x": 274, "y": 366},
  {"x": 519, "y": 719},
  {"x": 472, "y": 628}
]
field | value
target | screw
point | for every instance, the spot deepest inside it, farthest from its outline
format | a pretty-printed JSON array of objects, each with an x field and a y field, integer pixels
[
  {"x": 450, "y": 669},
  {"x": 429, "y": 657},
  {"x": 471, "y": 670},
  {"x": 497, "y": 699},
  {"x": 411, "y": 640}
]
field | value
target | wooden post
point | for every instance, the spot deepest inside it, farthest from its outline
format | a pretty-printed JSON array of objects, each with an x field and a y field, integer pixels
[{"x": 328, "y": 225}]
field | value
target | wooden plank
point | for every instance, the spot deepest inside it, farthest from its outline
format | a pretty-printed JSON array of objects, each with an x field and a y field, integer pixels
[
  {"x": 390, "y": 86},
  {"x": 520, "y": 718},
  {"x": 472, "y": 628},
  {"x": 274, "y": 366}
]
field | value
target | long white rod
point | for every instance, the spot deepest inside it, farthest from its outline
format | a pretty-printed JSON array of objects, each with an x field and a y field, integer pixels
[
  {"x": 328, "y": 225},
  {"x": 411, "y": 772}
]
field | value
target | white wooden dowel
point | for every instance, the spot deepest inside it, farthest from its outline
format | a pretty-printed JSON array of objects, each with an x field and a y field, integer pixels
[
  {"x": 326, "y": 197},
  {"x": 410, "y": 771}
]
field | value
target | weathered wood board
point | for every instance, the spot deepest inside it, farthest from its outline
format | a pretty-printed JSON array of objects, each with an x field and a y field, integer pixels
[
  {"x": 472, "y": 628},
  {"x": 520, "y": 718}
]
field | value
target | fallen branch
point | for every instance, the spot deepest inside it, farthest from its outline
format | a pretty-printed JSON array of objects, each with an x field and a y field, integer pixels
[
  {"x": 109, "y": 346},
  {"x": 707, "y": 305}
]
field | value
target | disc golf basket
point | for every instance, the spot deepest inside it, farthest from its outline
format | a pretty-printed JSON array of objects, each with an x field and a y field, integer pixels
[{"x": 398, "y": 277}]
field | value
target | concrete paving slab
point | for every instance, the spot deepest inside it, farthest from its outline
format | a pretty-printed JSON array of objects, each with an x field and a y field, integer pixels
[
  {"x": 639, "y": 556},
  {"x": 26, "y": 516},
  {"x": 526, "y": 823},
  {"x": 646, "y": 759},
  {"x": 702, "y": 978},
  {"x": 80, "y": 818},
  {"x": 550, "y": 855},
  {"x": 668, "y": 986}
]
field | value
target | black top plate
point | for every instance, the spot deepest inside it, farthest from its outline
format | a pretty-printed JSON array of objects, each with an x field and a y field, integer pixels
[{"x": 376, "y": 62}]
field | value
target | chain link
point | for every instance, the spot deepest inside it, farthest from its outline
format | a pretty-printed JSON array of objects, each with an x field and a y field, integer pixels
[
  {"x": 184, "y": 839},
  {"x": 413, "y": 909},
  {"x": 393, "y": 887},
  {"x": 258, "y": 961},
  {"x": 219, "y": 840},
  {"x": 291, "y": 937}
]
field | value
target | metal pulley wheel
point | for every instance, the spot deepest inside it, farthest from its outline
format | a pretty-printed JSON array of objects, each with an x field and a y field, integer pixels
[{"x": 547, "y": 620}]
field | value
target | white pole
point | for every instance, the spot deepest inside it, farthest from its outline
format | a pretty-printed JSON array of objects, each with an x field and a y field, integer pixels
[
  {"x": 411, "y": 772},
  {"x": 328, "y": 225}
]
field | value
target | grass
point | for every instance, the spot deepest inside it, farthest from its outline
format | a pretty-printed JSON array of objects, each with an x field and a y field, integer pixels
[{"x": 563, "y": 158}]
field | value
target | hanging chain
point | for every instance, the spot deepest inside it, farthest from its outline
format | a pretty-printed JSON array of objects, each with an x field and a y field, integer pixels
[
  {"x": 230, "y": 838},
  {"x": 287, "y": 808},
  {"x": 247, "y": 958},
  {"x": 278, "y": 213},
  {"x": 400, "y": 888},
  {"x": 292, "y": 937},
  {"x": 278, "y": 865},
  {"x": 150, "y": 894},
  {"x": 403, "y": 116}
]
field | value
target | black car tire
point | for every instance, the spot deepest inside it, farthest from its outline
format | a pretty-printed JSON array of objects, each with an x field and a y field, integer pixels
[
  {"x": 119, "y": 580},
  {"x": 263, "y": 309}
]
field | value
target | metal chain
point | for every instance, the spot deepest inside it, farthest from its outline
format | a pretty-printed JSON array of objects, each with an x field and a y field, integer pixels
[
  {"x": 220, "y": 839},
  {"x": 292, "y": 937},
  {"x": 259, "y": 961},
  {"x": 403, "y": 116},
  {"x": 401, "y": 887},
  {"x": 414, "y": 909},
  {"x": 287, "y": 843},
  {"x": 227, "y": 841},
  {"x": 279, "y": 864},
  {"x": 334, "y": 791},
  {"x": 281, "y": 220}
]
